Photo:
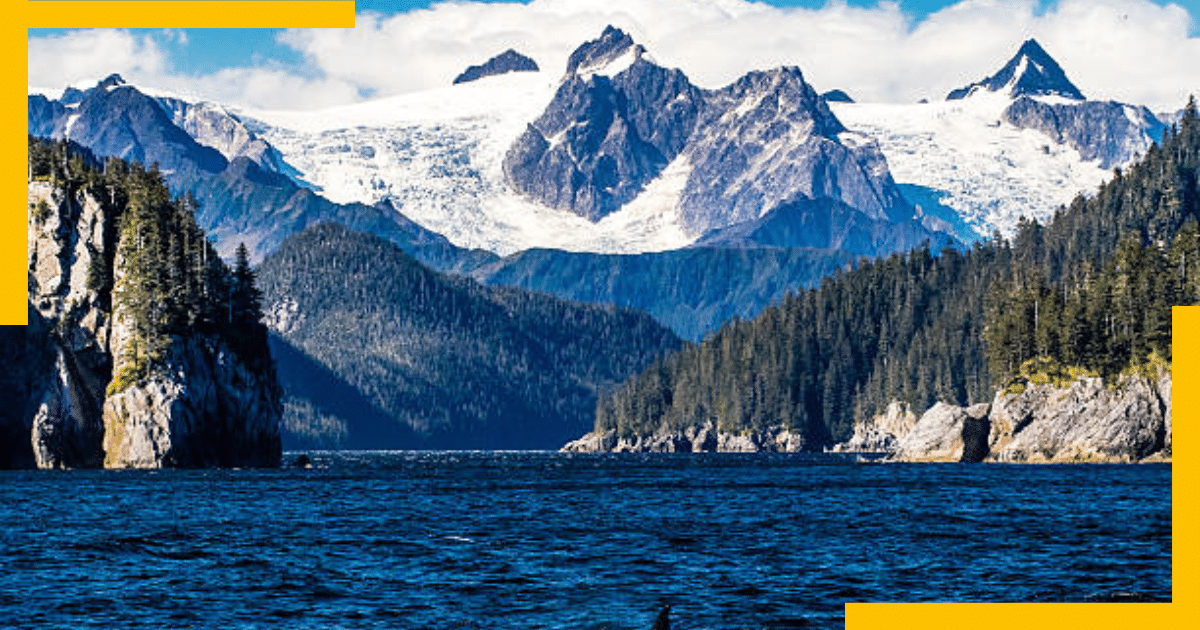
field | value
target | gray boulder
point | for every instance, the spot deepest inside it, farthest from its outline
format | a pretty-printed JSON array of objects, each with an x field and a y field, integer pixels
[{"x": 946, "y": 433}]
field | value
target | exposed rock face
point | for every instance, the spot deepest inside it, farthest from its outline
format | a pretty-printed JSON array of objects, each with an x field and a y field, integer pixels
[
  {"x": 945, "y": 433},
  {"x": 70, "y": 238},
  {"x": 215, "y": 127},
  {"x": 1111, "y": 132},
  {"x": 1085, "y": 422},
  {"x": 694, "y": 439},
  {"x": 768, "y": 139},
  {"x": 611, "y": 44},
  {"x": 836, "y": 96},
  {"x": 204, "y": 407},
  {"x": 618, "y": 119},
  {"x": 1032, "y": 71},
  {"x": 882, "y": 433},
  {"x": 43, "y": 113},
  {"x": 507, "y": 61}
]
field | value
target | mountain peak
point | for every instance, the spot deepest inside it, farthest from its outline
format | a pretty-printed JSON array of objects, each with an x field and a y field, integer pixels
[
  {"x": 1031, "y": 72},
  {"x": 599, "y": 54},
  {"x": 111, "y": 81},
  {"x": 507, "y": 61}
]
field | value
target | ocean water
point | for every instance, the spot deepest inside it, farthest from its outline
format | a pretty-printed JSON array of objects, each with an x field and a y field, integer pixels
[{"x": 547, "y": 540}]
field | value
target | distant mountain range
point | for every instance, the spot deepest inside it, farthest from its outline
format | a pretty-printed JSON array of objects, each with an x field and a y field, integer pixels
[{"x": 618, "y": 181}]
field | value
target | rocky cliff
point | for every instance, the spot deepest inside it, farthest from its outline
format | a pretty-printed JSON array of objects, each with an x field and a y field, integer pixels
[
  {"x": 1086, "y": 421},
  {"x": 70, "y": 236},
  {"x": 199, "y": 405},
  {"x": 706, "y": 438},
  {"x": 203, "y": 408}
]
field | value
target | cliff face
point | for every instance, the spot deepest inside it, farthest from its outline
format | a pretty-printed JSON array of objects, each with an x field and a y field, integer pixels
[
  {"x": 203, "y": 408},
  {"x": 1087, "y": 421},
  {"x": 200, "y": 406},
  {"x": 70, "y": 239}
]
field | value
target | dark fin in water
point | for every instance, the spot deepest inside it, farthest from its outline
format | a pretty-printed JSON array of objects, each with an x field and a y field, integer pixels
[{"x": 664, "y": 619}]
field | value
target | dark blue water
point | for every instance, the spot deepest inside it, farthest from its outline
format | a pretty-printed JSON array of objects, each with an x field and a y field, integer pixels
[{"x": 466, "y": 540}]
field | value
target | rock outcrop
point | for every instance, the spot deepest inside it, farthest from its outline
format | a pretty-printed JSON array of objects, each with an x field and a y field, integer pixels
[
  {"x": 882, "y": 433},
  {"x": 71, "y": 238},
  {"x": 946, "y": 433},
  {"x": 1086, "y": 421},
  {"x": 694, "y": 439},
  {"x": 201, "y": 406}
]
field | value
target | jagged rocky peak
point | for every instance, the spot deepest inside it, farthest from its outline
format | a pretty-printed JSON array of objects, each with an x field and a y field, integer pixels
[
  {"x": 507, "y": 61},
  {"x": 615, "y": 122},
  {"x": 837, "y": 96},
  {"x": 111, "y": 81},
  {"x": 598, "y": 54},
  {"x": 780, "y": 92},
  {"x": 1031, "y": 72},
  {"x": 72, "y": 96}
]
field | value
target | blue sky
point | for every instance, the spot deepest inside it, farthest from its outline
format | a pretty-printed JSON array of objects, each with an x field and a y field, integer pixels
[
  {"x": 888, "y": 51},
  {"x": 208, "y": 50}
]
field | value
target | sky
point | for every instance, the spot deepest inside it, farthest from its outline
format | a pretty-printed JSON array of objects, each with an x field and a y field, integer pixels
[{"x": 1138, "y": 51}]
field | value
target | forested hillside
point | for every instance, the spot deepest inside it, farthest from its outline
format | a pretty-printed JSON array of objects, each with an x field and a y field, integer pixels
[
  {"x": 1091, "y": 288},
  {"x": 378, "y": 351}
]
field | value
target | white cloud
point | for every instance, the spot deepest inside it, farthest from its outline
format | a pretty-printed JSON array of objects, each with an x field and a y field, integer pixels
[
  {"x": 1130, "y": 50},
  {"x": 79, "y": 58}
]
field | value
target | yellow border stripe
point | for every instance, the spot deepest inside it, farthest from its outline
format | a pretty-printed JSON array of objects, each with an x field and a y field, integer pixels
[
  {"x": 191, "y": 14},
  {"x": 1184, "y": 609}
]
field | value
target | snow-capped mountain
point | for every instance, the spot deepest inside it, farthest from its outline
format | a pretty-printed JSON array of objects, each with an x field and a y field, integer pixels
[
  {"x": 241, "y": 201},
  {"x": 1020, "y": 143},
  {"x": 622, "y": 155},
  {"x": 214, "y": 126},
  {"x": 1031, "y": 72},
  {"x": 618, "y": 155}
]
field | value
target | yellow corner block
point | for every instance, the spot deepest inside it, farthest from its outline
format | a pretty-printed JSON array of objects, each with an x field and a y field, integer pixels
[{"x": 190, "y": 14}]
